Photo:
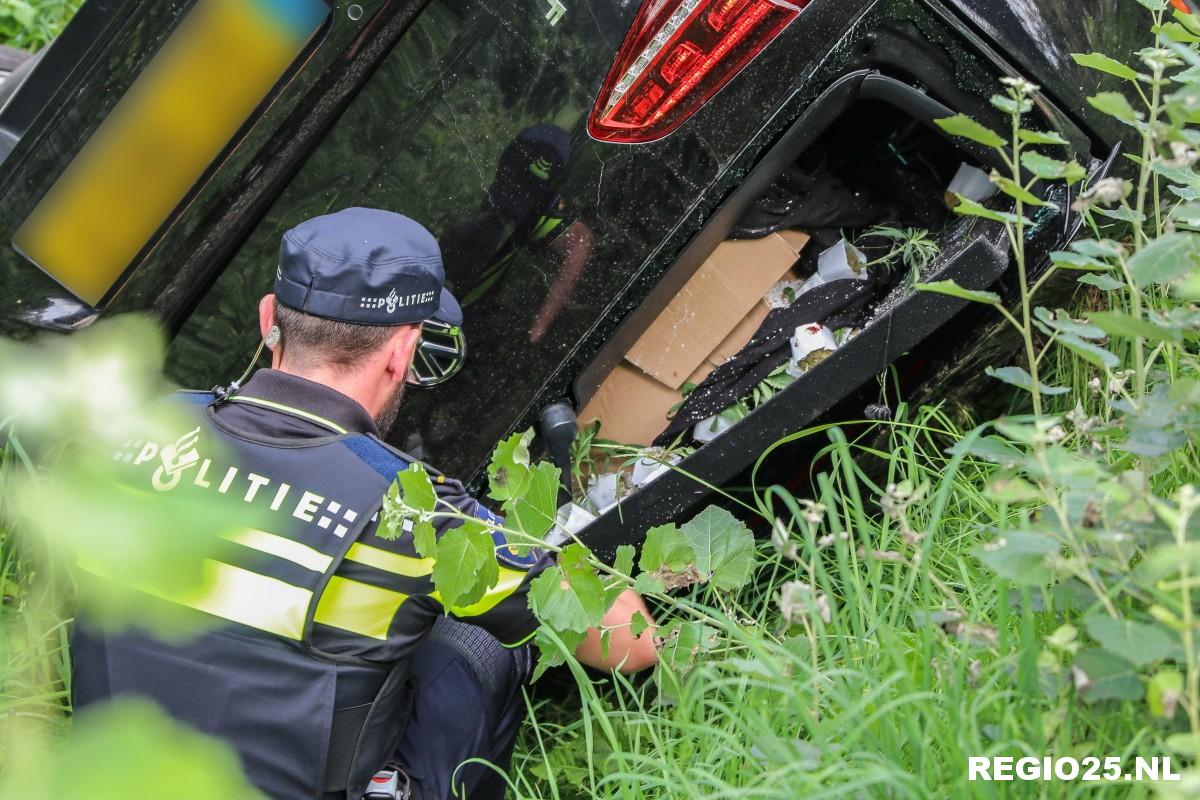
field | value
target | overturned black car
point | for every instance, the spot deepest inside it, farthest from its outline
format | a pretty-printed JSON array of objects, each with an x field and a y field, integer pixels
[{"x": 625, "y": 193}]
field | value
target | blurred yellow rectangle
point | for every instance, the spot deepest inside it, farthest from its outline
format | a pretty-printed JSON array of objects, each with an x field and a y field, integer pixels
[{"x": 204, "y": 84}]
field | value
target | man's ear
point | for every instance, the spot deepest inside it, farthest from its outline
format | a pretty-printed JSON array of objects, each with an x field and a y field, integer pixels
[
  {"x": 266, "y": 314},
  {"x": 402, "y": 347}
]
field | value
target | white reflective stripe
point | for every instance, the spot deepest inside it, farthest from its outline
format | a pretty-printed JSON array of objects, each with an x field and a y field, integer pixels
[
  {"x": 258, "y": 401},
  {"x": 285, "y": 548},
  {"x": 378, "y": 558}
]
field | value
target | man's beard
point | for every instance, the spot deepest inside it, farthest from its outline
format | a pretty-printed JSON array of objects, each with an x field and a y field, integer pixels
[{"x": 391, "y": 409}]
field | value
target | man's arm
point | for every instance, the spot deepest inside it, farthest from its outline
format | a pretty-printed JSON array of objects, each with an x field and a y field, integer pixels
[{"x": 625, "y": 652}]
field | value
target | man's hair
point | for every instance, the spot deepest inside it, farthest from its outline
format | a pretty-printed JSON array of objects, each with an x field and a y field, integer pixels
[{"x": 317, "y": 342}]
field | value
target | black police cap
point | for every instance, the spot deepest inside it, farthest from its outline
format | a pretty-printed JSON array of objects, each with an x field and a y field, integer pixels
[{"x": 365, "y": 266}]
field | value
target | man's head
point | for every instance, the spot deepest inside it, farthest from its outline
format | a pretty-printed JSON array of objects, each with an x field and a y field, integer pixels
[{"x": 351, "y": 292}]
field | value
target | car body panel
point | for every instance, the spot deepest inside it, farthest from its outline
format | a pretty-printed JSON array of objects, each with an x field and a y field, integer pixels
[{"x": 416, "y": 107}]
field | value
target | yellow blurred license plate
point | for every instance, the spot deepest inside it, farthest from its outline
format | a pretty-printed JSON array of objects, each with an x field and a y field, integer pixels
[{"x": 203, "y": 85}]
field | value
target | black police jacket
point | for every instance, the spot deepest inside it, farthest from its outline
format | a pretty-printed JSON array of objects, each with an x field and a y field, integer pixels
[{"x": 307, "y": 714}]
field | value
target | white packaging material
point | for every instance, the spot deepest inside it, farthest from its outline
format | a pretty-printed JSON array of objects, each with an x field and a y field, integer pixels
[
  {"x": 569, "y": 520},
  {"x": 783, "y": 294},
  {"x": 843, "y": 261},
  {"x": 651, "y": 465},
  {"x": 708, "y": 429},
  {"x": 811, "y": 344},
  {"x": 602, "y": 491},
  {"x": 972, "y": 183},
  {"x": 812, "y": 283}
]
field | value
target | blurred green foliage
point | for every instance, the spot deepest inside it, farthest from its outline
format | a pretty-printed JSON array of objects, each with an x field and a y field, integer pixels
[
  {"x": 73, "y": 411},
  {"x": 31, "y": 24},
  {"x": 126, "y": 749}
]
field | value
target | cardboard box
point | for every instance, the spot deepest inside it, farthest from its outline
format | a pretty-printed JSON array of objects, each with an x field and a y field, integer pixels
[
  {"x": 727, "y": 287},
  {"x": 743, "y": 332},
  {"x": 708, "y": 322},
  {"x": 631, "y": 406}
]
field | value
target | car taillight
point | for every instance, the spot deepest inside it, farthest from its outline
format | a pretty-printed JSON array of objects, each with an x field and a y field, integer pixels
[
  {"x": 1182, "y": 5},
  {"x": 677, "y": 55}
]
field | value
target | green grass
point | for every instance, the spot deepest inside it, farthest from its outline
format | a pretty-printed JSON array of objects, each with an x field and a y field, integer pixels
[
  {"x": 34, "y": 663},
  {"x": 927, "y": 658},
  {"x": 32, "y": 24}
]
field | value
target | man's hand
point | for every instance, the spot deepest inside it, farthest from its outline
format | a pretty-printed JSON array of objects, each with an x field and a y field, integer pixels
[{"x": 626, "y": 652}]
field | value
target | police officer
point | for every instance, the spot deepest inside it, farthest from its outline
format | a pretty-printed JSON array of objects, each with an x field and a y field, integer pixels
[{"x": 331, "y": 653}]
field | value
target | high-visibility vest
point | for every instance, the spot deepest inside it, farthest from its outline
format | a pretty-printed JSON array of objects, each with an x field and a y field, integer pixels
[{"x": 303, "y": 722}]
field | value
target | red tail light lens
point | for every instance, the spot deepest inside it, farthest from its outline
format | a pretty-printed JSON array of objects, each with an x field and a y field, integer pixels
[
  {"x": 1182, "y": 5},
  {"x": 677, "y": 55}
]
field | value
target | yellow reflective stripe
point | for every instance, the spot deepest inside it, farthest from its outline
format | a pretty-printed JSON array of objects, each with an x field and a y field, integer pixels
[
  {"x": 407, "y": 566},
  {"x": 236, "y": 595},
  {"x": 299, "y": 412},
  {"x": 258, "y": 601},
  {"x": 358, "y": 607},
  {"x": 302, "y": 554},
  {"x": 510, "y": 579}
]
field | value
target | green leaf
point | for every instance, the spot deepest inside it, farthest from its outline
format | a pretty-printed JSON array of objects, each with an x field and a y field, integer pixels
[
  {"x": 1102, "y": 63},
  {"x": 638, "y": 624},
  {"x": 570, "y": 595},
  {"x": 684, "y": 641},
  {"x": 466, "y": 565},
  {"x": 1175, "y": 32},
  {"x": 1188, "y": 288},
  {"x": 1062, "y": 322},
  {"x": 1139, "y": 643},
  {"x": 1012, "y": 489},
  {"x": 533, "y": 510},
  {"x": 1103, "y": 282},
  {"x": 1186, "y": 214},
  {"x": 991, "y": 448},
  {"x": 1040, "y": 137},
  {"x": 1070, "y": 260},
  {"x": 623, "y": 563},
  {"x": 1163, "y": 692},
  {"x": 967, "y": 207},
  {"x": 1123, "y": 326},
  {"x": 1010, "y": 106},
  {"x": 723, "y": 546},
  {"x": 1165, "y": 258},
  {"x": 554, "y": 648},
  {"x": 1185, "y": 177},
  {"x": 417, "y": 493},
  {"x": 954, "y": 290},
  {"x": 1187, "y": 744},
  {"x": 126, "y": 748},
  {"x": 1016, "y": 376},
  {"x": 1092, "y": 353},
  {"x": 1114, "y": 104},
  {"x": 666, "y": 546},
  {"x": 649, "y": 583},
  {"x": 1017, "y": 191},
  {"x": 509, "y": 471},
  {"x": 1019, "y": 556},
  {"x": 1097, "y": 248},
  {"x": 1104, "y": 676},
  {"x": 964, "y": 127},
  {"x": 1052, "y": 168}
]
